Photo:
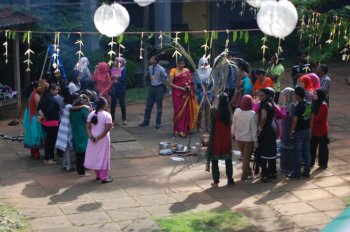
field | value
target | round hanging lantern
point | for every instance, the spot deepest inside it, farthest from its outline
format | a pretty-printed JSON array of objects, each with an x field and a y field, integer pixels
[
  {"x": 277, "y": 18},
  {"x": 144, "y": 2},
  {"x": 111, "y": 20},
  {"x": 257, "y": 3}
]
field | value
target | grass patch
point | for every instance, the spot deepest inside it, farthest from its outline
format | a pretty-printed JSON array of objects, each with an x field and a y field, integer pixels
[
  {"x": 136, "y": 95},
  {"x": 208, "y": 221},
  {"x": 13, "y": 220}
]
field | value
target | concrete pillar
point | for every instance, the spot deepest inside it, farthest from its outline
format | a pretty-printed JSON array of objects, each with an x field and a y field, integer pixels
[{"x": 162, "y": 19}]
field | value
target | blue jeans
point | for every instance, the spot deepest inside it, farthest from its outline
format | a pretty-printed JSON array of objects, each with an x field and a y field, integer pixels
[{"x": 302, "y": 151}]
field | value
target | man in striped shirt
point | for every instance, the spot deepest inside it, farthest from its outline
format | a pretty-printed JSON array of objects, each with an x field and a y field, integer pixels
[{"x": 325, "y": 81}]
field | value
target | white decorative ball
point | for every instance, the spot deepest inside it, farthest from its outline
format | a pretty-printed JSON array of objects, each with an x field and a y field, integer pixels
[
  {"x": 257, "y": 3},
  {"x": 144, "y": 2},
  {"x": 111, "y": 20},
  {"x": 278, "y": 18}
]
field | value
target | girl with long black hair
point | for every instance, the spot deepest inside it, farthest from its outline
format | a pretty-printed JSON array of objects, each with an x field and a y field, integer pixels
[
  {"x": 220, "y": 142},
  {"x": 98, "y": 153}
]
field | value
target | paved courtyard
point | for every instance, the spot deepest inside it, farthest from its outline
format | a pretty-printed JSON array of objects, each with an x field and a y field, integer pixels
[{"x": 147, "y": 185}]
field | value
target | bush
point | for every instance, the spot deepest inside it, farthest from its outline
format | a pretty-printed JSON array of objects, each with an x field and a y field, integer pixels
[{"x": 131, "y": 67}]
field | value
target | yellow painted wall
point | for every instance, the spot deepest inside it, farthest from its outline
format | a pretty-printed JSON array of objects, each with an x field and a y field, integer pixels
[{"x": 195, "y": 15}]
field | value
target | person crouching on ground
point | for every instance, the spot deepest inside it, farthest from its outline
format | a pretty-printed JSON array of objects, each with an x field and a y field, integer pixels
[
  {"x": 98, "y": 153},
  {"x": 220, "y": 142}
]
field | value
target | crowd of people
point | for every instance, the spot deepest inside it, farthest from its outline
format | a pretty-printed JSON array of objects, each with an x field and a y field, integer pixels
[
  {"x": 248, "y": 107},
  {"x": 261, "y": 114}
]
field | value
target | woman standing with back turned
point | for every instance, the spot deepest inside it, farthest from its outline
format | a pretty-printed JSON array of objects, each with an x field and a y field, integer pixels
[
  {"x": 98, "y": 152},
  {"x": 220, "y": 142}
]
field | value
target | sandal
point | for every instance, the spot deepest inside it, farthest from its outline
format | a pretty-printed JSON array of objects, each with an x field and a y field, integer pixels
[
  {"x": 13, "y": 123},
  {"x": 214, "y": 185},
  {"x": 124, "y": 123}
]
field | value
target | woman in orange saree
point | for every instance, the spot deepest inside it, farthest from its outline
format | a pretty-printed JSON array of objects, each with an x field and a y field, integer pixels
[{"x": 184, "y": 99}]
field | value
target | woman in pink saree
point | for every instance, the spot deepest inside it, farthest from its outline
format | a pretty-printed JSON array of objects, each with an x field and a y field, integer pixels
[{"x": 184, "y": 99}]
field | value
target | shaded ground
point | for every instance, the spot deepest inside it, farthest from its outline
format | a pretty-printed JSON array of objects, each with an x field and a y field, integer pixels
[{"x": 147, "y": 185}]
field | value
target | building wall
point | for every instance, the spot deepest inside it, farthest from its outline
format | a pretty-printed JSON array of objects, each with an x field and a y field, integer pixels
[{"x": 195, "y": 14}]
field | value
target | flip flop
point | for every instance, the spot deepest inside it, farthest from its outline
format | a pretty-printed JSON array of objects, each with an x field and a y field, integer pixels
[{"x": 13, "y": 123}]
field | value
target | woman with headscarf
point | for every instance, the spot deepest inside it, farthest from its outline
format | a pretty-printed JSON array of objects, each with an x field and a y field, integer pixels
[
  {"x": 267, "y": 148},
  {"x": 306, "y": 82},
  {"x": 203, "y": 91},
  {"x": 82, "y": 67},
  {"x": 184, "y": 99},
  {"x": 244, "y": 131},
  {"x": 319, "y": 133},
  {"x": 33, "y": 136},
  {"x": 118, "y": 90},
  {"x": 220, "y": 142},
  {"x": 74, "y": 84},
  {"x": 102, "y": 78},
  {"x": 287, "y": 159}
]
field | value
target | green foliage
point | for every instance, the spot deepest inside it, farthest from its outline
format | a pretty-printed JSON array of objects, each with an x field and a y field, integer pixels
[
  {"x": 13, "y": 220},
  {"x": 211, "y": 221},
  {"x": 130, "y": 73},
  {"x": 135, "y": 95}
]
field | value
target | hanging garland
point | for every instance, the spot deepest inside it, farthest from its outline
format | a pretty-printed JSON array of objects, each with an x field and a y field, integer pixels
[
  {"x": 161, "y": 40},
  {"x": 28, "y": 51},
  {"x": 176, "y": 53},
  {"x": 121, "y": 46},
  {"x": 141, "y": 46},
  {"x": 111, "y": 52},
  {"x": 6, "y": 46},
  {"x": 264, "y": 48},
  {"x": 80, "y": 44},
  {"x": 205, "y": 46},
  {"x": 56, "y": 52}
]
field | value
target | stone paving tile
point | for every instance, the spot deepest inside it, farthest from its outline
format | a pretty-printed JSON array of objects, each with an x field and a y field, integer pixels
[
  {"x": 293, "y": 208},
  {"x": 329, "y": 181},
  {"x": 128, "y": 214},
  {"x": 65, "y": 229},
  {"x": 333, "y": 213},
  {"x": 277, "y": 198},
  {"x": 273, "y": 224},
  {"x": 49, "y": 223},
  {"x": 227, "y": 192},
  {"x": 339, "y": 191},
  {"x": 106, "y": 227},
  {"x": 328, "y": 204},
  {"x": 157, "y": 199},
  {"x": 142, "y": 225},
  {"x": 28, "y": 202},
  {"x": 315, "y": 228},
  {"x": 345, "y": 177},
  {"x": 81, "y": 207},
  {"x": 317, "y": 173},
  {"x": 118, "y": 203},
  {"x": 164, "y": 210},
  {"x": 239, "y": 202},
  {"x": 258, "y": 212},
  {"x": 192, "y": 197},
  {"x": 82, "y": 219},
  {"x": 201, "y": 206},
  {"x": 312, "y": 194},
  {"x": 41, "y": 211},
  {"x": 126, "y": 172},
  {"x": 103, "y": 194},
  {"x": 340, "y": 169},
  {"x": 293, "y": 185},
  {"x": 310, "y": 219},
  {"x": 71, "y": 196}
]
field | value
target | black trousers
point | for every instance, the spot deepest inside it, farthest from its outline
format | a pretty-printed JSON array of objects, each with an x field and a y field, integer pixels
[
  {"x": 80, "y": 163},
  {"x": 51, "y": 137},
  {"x": 155, "y": 95},
  {"x": 323, "y": 152},
  {"x": 216, "y": 173},
  {"x": 268, "y": 167},
  {"x": 115, "y": 96}
]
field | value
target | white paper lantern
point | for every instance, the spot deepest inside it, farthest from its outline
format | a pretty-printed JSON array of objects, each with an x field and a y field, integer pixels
[
  {"x": 278, "y": 18},
  {"x": 257, "y": 3},
  {"x": 144, "y": 2},
  {"x": 111, "y": 20}
]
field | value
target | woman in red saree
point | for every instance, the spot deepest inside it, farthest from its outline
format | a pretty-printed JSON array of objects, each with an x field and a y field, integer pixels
[
  {"x": 184, "y": 99},
  {"x": 103, "y": 80}
]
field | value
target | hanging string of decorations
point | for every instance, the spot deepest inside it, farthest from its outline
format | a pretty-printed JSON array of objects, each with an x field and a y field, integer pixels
[
  {"x": 27, "y": 36},
  {"x": 80, "y": 43}
]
